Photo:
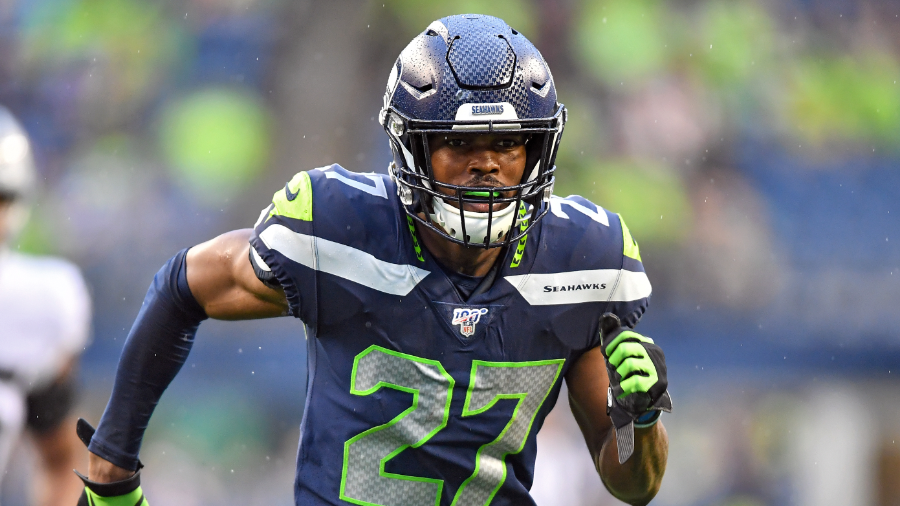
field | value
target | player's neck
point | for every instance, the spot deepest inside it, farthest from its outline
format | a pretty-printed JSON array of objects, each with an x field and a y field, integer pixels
[{"x": 466, "y": 260}]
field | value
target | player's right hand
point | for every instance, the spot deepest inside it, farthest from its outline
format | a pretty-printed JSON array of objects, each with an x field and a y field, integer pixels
[{"x": 118, "y": 493}]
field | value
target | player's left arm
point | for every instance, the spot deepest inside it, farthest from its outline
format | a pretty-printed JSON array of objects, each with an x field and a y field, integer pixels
[{"x": 637, "y": 480}]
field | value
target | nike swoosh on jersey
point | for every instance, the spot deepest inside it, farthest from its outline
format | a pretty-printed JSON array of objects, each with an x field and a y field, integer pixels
[{"x": 287, "y": 192}]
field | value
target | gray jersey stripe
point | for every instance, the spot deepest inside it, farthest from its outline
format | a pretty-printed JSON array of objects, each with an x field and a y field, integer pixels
[
  {"x": 259, "y": 261},
  {"x": 600, "y": 285},
  {"x": 343, "y": 261}
]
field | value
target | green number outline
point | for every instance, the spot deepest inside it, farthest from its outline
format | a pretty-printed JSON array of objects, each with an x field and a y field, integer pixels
[
  {"x": 395, "y": 420},
  {"x": 520, "y": 397}
]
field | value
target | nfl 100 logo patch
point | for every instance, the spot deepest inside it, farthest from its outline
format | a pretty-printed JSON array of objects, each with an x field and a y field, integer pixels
[{"x": 467, "y": 318}]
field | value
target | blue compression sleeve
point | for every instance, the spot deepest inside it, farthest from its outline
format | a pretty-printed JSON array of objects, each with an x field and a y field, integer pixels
[{"x": 156, "y": 348}]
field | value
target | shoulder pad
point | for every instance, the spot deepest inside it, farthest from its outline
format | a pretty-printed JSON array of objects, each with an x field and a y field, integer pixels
[{"x": 295, "y": 200}]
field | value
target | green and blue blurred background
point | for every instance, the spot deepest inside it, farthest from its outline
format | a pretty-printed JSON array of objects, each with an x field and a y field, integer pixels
[{"x": 753, "y": 146}]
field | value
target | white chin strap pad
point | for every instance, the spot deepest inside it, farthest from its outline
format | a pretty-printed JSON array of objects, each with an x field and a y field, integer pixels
[{"x": 448, "y": 217}]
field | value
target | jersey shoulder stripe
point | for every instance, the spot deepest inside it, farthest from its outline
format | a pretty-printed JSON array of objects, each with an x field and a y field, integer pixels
[
  {"x": 575, "y": 287},
  {"x": 343, "y": 261}
]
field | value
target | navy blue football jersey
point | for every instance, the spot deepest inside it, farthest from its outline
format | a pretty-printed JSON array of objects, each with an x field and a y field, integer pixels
[{"x": 415, "y": 395}]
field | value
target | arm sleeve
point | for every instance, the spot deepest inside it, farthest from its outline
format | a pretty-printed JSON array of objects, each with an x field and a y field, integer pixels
[{"x": 156, "y": 348}]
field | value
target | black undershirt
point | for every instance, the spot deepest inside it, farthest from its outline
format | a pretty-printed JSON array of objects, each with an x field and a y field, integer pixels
[{"x": 464, "y": 283}]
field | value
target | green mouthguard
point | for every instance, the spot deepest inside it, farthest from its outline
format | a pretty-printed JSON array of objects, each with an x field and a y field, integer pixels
[{"x": 482, "y": 194}]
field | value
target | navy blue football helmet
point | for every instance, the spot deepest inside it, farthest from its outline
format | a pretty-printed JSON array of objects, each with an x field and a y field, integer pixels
[{"x": 473, "y": 73}]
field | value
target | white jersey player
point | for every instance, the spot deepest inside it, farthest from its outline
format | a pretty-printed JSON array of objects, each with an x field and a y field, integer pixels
[{"x": 44, "y": 327}]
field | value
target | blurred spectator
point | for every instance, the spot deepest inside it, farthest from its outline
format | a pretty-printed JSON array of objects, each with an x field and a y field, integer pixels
[
  {"x": 44, "y": 320},
  {"x": 729, "y": 259}
]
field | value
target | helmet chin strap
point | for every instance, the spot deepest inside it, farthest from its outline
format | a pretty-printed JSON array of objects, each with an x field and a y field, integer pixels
[{"x": 449, "y": 218}]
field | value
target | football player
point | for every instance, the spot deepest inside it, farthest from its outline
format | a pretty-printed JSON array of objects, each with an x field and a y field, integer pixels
[
  {"x": 44, "y": 323},
  {"x": 444, "y": 303}
]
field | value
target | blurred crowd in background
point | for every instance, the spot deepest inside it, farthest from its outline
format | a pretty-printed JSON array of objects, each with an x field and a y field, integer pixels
[{"x": 753, "y": 146}]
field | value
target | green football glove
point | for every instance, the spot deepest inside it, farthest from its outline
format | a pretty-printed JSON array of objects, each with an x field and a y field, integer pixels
[
  {"x": 118, "y": 493},
  {"x": 637, "y": 381}
]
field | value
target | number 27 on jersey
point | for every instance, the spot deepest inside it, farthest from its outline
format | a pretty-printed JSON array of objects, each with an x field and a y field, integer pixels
[{"x": 364, "y": 479}]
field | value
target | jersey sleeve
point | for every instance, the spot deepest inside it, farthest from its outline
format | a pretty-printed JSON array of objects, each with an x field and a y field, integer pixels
[
  {"x": 631, "y": 295},
  {"x": 282, "y": 246}
]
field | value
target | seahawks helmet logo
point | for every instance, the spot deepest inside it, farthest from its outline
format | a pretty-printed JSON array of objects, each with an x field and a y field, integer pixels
[
  {"x": 487, "y": 109},
  {"x": 466, "y": 318}
]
